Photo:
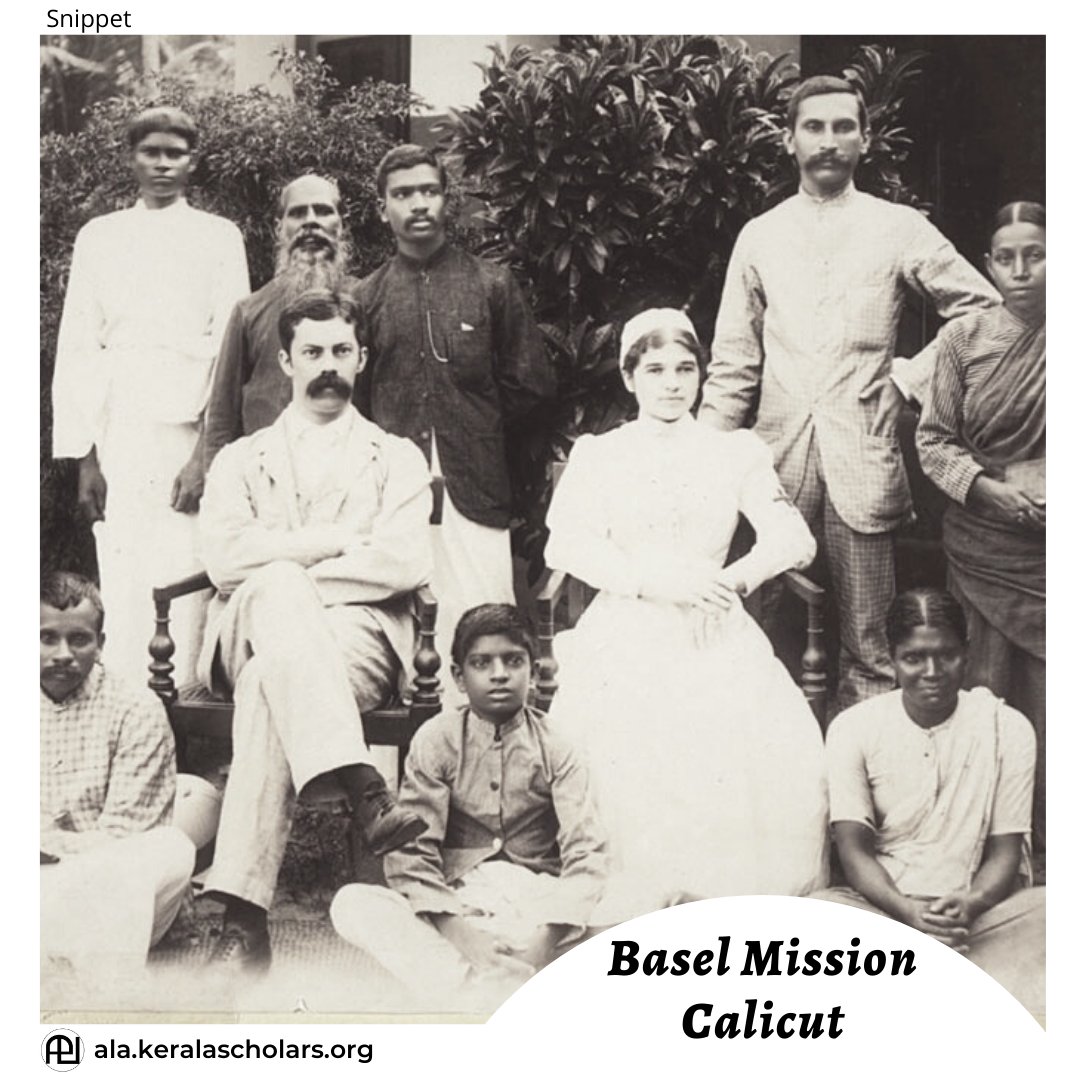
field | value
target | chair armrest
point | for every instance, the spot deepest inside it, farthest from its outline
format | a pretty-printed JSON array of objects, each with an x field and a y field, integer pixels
[
  {"x": 551, "y": 586},
  {"x": 161, "y": 645},
  {"x": 810, "y": 593},
  {"x": 193, "y": 583}
]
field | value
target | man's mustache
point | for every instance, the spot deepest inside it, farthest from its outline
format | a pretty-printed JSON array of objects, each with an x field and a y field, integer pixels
[
  {"x": 312, "y": 236},
  {"x": 329, "y": 380}
]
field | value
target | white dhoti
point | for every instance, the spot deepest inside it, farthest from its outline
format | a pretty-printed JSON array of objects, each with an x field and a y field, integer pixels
[
  {"x": 143, "y": 543},
  {"x": 501, "y": 898},
  {"x": 108, "y": 905},
  {"x": 473, "y": 566}
]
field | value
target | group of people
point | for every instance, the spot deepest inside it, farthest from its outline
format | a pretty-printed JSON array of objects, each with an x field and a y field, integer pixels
[{"x": 679, "y": 760}]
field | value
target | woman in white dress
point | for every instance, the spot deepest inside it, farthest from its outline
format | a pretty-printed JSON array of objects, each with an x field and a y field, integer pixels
[{"x": 708, "y": 763}]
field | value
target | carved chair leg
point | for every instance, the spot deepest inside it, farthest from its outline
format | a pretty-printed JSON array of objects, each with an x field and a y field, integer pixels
[
  {"x": 813, "y": 679},
  {"x": 547, "y": 666}
]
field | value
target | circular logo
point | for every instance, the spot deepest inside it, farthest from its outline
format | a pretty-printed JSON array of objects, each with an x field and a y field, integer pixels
[{"x": 62, "y": 1049}]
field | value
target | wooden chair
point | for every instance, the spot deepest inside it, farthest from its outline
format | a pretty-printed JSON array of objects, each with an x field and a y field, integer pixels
[
  {"x": 559, "y": 589},
  {"x": 195, "y": 711}
]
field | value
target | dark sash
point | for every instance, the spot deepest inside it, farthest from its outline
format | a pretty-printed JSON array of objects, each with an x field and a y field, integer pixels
[{"x": 1005, "y": 418}]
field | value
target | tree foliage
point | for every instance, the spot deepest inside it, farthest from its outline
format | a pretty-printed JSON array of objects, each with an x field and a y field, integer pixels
[
  {"x": 615, "y": 175},
  {"x": 250, "y": 145}
]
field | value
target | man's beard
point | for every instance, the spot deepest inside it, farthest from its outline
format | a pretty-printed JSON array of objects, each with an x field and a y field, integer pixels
[{"x": 303, "y": 268}]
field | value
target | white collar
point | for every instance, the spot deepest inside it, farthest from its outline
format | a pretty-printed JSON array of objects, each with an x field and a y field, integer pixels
[
  {"x": 298, "y": 425},
  {"x": 663, "y": 429},
  {"x": 839, "y": 199},
  {"x": 177, "y": 207}
]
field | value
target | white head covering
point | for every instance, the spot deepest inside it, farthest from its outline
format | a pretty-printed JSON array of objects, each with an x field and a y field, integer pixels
[{"x": 647, "y": 322}]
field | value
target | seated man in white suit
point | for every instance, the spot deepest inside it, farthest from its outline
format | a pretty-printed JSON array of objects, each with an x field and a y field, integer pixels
[{"x": 315, "y": 533}]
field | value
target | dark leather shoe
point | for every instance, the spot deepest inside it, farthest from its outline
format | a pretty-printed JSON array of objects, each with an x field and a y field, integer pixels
[
  {"x": 383, "y": 824},
  {"x": 241, "y": 950}
]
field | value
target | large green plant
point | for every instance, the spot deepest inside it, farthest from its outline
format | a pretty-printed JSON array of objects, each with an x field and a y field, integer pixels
[
  {"x": 251, "y": 144},
  {"x": 615, "y": 175}
]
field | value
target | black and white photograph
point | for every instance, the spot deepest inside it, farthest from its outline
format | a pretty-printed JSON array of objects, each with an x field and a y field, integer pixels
[{"x": 496, "y": 487}]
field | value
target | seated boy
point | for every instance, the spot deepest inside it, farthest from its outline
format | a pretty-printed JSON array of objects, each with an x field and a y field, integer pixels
[
  {"x": 513, "y": 862},
  {"x": 113, "y": 868}
]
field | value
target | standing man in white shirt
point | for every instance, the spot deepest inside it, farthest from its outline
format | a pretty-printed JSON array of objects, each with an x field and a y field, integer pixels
[
  {"x": 149, "y": 294},
  {"x": 806, "y": 336}
]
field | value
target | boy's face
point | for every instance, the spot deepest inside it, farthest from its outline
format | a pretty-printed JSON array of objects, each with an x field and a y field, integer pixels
[
  {"x": 70, "y": 644},
  {"x": 495, "y": 677}
]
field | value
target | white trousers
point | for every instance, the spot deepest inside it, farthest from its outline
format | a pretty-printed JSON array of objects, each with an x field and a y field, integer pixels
[
  {"x": 301, "y": 675},
  {"x": 110, "y": 904},
  {"x": 143, "y": 543}
]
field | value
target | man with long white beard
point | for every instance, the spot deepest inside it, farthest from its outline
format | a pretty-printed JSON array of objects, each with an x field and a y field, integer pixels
[{"x": 313, "y": 252}]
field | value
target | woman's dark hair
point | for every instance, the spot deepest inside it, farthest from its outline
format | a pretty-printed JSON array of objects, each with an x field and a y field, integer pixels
[
  {"x": 657, "y": 339},
  {"x": 487, "y": 619},
  {"x": 1032, "y": 212},
  {"x": 933, "y": 608}
]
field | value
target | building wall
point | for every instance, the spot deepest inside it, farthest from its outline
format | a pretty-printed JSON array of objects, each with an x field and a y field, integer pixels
[{"x": 443, "y": 69}]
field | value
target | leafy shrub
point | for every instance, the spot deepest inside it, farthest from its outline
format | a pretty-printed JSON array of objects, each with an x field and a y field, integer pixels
[
  {"x": 250, "y": 145},
  {"x": 614, "y": 176}
]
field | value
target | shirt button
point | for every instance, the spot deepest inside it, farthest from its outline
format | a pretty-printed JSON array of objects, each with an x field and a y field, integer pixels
[
  {"x": 496, "y": 844},
  {"x": 494, "y": 785}
]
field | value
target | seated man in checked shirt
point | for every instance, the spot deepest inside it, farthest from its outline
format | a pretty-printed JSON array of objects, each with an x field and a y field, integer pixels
[
  {"x": 512, "y": 863},
  {"x": 113, "y": 867}
]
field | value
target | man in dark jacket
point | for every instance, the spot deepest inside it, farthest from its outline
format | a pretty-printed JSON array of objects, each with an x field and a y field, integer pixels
[{"x": 456, "y": 360}]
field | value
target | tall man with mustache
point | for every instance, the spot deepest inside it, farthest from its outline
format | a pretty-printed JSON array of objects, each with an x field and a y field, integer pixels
[
  {"x": 315, "y": 532},
  {"x": 457, "y": 361},
  {"x": 804, "y": 351},
  {"x": 313, "y": 252}
]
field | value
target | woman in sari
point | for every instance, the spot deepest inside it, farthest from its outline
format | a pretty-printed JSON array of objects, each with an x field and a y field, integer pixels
[
  {"x": 982, "y": 440},
  {"x": 707, "y": 762},
  {"x": 930, "y": 791}
]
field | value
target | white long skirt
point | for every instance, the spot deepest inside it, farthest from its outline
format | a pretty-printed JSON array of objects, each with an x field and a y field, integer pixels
[{"x": 707, "y": 763}]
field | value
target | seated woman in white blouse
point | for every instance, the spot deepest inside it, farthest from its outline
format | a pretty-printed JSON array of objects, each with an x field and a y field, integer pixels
[{"x": 708, "y": 763}]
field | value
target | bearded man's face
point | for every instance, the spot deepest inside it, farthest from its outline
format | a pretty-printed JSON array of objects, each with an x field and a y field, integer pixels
[{"x": 310, "y": 231}]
